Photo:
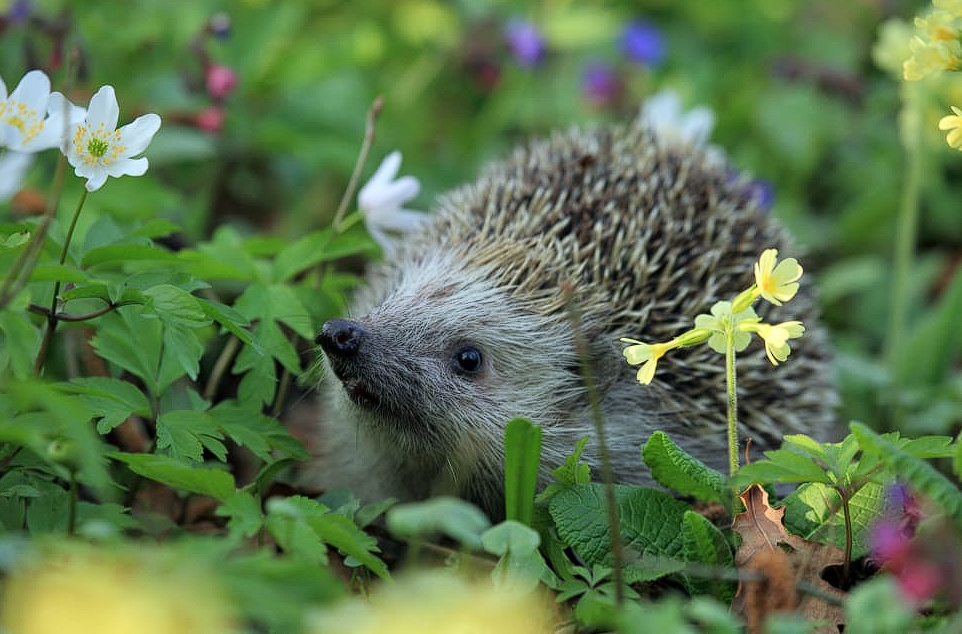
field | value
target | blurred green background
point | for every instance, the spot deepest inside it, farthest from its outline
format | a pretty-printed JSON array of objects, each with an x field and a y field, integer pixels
[{"x": 800, "y": 106}]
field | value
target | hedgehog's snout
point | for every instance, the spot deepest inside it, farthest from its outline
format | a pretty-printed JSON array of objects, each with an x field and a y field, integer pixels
[{"x": 341, "y": 338}]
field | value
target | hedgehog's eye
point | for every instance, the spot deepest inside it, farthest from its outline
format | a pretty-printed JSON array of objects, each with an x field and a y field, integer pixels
[{"x": 467, "y": 361}]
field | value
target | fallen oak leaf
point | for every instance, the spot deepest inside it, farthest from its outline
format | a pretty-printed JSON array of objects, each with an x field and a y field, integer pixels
[{"x": 799, "y": 565}]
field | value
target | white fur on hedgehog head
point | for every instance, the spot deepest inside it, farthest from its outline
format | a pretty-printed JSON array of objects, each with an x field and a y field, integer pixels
[{"x": 419, "y": 313}]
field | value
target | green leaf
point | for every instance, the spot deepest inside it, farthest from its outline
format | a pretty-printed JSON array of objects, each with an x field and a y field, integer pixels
[
  {"x": 98, "y": 290},
  {"x": 814, "y": 511},
  {"x": 232, "y": 321},
  {"x": 312, "y": 249},
  {"x": 458, "y": 519},
  {"x": 703, "y": 543},
  {"x": 177, "y": 307},
  {"x": 918, "y": 474},
  {"x": 925, "y": 354},
  {"x": 125, "y": 253},
  {"x": 216, "y": 483},
  {"x": 129, "y": 340},
  {"x": 244, "y": 511},
  {"x": 180, "y": 355},
  {"x": 521, "y": 565},
  {"x": 258, "y": 432},
  {"x": 19, "y": 342},
  {"x": 287, "y": 522},
  {"x": 781, "y": 465},
  {"x": 342, "y": 533},
  {"x": 572, "y": 472},
  {"x": 674, "y": 468},
  {"x": 650, "y": 527},
  {"x": 156, "y": 228},
  {"x": 522, "y": 452},
  {"x": 111, "y": 399},
  {"x": 186, "y": 433},
  {"x": 58, "y": 273}
]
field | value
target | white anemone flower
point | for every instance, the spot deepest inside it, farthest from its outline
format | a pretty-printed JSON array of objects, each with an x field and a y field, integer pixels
[
  {"x": 26, "y": 122},
  {"x": 13, "y": 167},
  {"x": 97, "y": 149},
  {"x": 663, "y": 113},
  {"x": 381, "y": 201}
]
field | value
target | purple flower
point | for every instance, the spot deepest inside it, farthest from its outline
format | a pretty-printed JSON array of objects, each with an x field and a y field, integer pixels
[
  {"x": 642, "y": 42},
  {"x": 600, "y": 83},
  {"x": 525, "y": 41},
  {"x": 762, "y": 192},
  {"x": 219, "y": 25}
]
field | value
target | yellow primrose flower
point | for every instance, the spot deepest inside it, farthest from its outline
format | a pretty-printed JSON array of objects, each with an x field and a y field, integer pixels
[
  {"x": 938, "y": 26},
  {"x": 721, "y": 320},
  {"x": 776, "y": 337},
  {"x": 951, "y": 6},
  {"x": 435, "y": 602},
  {"x": 892, "y": 47},
  {"x": 953, "y": 123},
  {"x": 86, "y": 590},
  {"x": 647, "y": 354},
  {"x": 777, "y": 282},
  {"x": 931, "y": 57}
]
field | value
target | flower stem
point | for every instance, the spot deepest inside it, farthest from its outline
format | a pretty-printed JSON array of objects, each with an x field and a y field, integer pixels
[
  {"x": 847, "y": 512},
  {"x": 19, "y": 273},
  {"x": 52, "y": 318},
  {"x": 906, "y": 230},
  {"x": 732, "y": 401},
  {"x": 372, "y": 114}
]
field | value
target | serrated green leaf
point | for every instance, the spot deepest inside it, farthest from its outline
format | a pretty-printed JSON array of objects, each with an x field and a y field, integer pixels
[
  {"x": 19, "y": 342},
  {"x": 244, "y": 511},
  {"x": 781, "y": 465},
  {"x": 111, "y": 399},
  {"x": 814, "y": 511},
  {"x": 294, "y": 535},
  {"x": 522, "y": 453},
  {"x": 98, "y": 290},
  {"x": 287, "y": 308},
  {"x": 458, "y": 519},
  {"x": 176, "y": 307},
  {"x": 650, "y": 527},
  {"x": 676, "y": 469},
  {"x": 216, "y": 483},
  {"x": 232, "y": 321},
  {"x": 806, "y": 445},
  {"x": 313, "y": 249},
  {"x": 181, "y": 355},
  {"x": 342, "y": 533},
  {"x": 703, "y": 543},
  {"x": 929, "y": 447},
  {"x": 186, "y": 433},
  {"x": 257, "y": 432},
  {"x": 132, "y": 342},
  {"x": 918, "y": 474},
  {"x": 156, "y": 228}
]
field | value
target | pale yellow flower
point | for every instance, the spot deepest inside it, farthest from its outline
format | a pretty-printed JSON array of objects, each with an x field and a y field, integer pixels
[
  {"x": 776, "y": 282},
  {"x": 938, "y": 26},
  {"x": 647, "y": 354},
  {"x": 952, "y": 6},
  {"x": 434, "y": 603},
  {"x": 931, "y": 57},
  {"x": 776, "y": 337},
  {"x": 721, "y": 321},
  {"x": 85, "y": 590},
  {"x": 953, "y": 123},
  {"x": 892, "y": 47}
]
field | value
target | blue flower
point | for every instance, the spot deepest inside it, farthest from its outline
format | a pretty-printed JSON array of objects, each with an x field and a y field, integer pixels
[
  {"x": 600, "y": 83},
  {"x": 642, "y": 42},
  {"x": 525, "y": 41}
]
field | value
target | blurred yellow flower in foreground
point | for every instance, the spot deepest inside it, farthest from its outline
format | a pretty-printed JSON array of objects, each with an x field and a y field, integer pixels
[
  {"x": 85, "y": 590},
  {"x": 953, "y": 123},
  {"x": 437, "y": 602}
]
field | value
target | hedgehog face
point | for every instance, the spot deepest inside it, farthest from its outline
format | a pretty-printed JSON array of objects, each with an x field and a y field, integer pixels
[{"x": 444, "y": 358}]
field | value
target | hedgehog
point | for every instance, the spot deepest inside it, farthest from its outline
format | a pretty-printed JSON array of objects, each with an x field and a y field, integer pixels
[{"x": 468, "y": 325}]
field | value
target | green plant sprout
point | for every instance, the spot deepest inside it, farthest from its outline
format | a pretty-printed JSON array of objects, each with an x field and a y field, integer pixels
[{"x": 728, "y": 329}]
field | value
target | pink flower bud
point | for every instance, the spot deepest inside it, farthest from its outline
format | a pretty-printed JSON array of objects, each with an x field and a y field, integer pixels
[
  {"x": 210, "y": 119},
  {"x": 221, "y": 80}
]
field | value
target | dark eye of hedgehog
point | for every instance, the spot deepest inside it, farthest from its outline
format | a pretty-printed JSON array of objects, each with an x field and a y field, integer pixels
[{"x": 467, "y": 361}]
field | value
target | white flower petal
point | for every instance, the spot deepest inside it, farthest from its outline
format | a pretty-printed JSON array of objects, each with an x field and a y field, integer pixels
[
  {"x": 13, "y": 167},
  {"x": 136, "y": 136},
  {"x": 96, "y": 181},
  {"x": 390, "y": 196},
  {"x": 127, "y": 167},
  {"x": 385, "y": 241},
  {"x": 3, "y": 90},
  {"x": 402, "y": 220},
  {"x": 696, "y": 126},
  {"x": 388, "y": 168},
  {"x": 60, "y": 105},
  {"x": 33, "y": 91},
  {"x": 103, "y": 109},
  {"x": 662, "y": 112}
]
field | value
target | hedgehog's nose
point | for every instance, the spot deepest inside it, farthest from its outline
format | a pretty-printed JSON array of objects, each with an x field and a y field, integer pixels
[{"x": 340, "y": 337}]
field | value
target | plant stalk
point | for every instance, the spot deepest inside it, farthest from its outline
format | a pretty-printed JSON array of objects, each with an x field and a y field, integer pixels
[{"x": 732, "y": 402}]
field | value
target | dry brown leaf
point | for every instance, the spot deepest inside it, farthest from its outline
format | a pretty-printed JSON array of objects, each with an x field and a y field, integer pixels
[{"x": 800, "y": 563}]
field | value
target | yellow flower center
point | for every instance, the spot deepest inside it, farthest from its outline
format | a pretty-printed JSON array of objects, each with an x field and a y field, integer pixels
[
  {"x": 97, "y": 147},
  {"x": 22, "y": 118}
]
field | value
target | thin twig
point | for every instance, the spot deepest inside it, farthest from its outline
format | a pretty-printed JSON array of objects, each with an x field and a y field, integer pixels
[
  {"x": 372, "y": 114},
  {"x": 42, "y": 310},
  {"x": 587, "y": 375},
  {"x": 220, "y": 367}
]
